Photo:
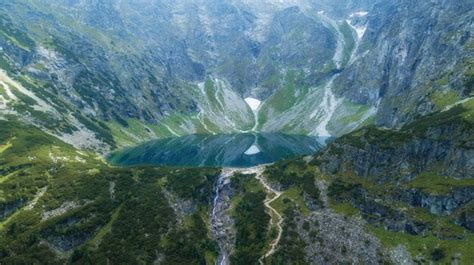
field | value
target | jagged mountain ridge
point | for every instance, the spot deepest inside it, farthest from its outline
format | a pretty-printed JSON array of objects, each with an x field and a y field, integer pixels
[
  {"x": 103, "y": 74},
  {"x": 177, "y": 67},
  {"x": 412, "y": 55}
]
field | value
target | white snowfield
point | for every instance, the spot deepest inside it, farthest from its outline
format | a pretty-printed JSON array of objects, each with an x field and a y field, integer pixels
[
  {"x": 253, "y": 103},
  {"x": 360, "y": 30}
]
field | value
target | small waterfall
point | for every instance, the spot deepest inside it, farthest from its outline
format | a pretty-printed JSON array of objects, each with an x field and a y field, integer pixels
[
  {"x": 220, "y": 222},
  {"x": 219, "y": 185}
]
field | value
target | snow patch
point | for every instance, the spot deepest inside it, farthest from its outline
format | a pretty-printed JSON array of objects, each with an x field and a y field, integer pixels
[
  {"x": 222, "y": 107},
  {"x": 253, "y": 150},
  {"x": 360, "y": 30},
  {"x": 253, "y": 103},
  {"x": 200, "y": 85}
]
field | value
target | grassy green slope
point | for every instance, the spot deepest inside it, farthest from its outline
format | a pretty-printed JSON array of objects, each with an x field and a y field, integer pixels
[
  {"x": 60, "y": 205},
  {"x": 381, "y": 201}
]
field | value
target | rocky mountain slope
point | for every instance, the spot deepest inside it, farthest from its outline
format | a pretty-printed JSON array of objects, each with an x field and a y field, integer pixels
[
  {"x": 392, "y": 80},
  {"x": 58, "y": 204},
  {"x": 412, "y": 189},
  {"x": 167, "y": 68},
  {"x": 374, "y": 196},
  {"x": 419, "y": 52}
]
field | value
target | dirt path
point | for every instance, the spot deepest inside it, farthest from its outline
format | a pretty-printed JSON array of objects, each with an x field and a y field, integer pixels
[
  {"x": 276, "y": 218},
  {"x": 272, "y": 195}
]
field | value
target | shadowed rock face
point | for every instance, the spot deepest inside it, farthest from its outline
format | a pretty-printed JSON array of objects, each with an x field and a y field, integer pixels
[
  {"x": 428, "y": 164},
  {"x": 440, "y": 143},
  {"x": 232, "y": 150},
  {"x": 9, "y": 208},
  {"x": 102, "y": 73},
  {"x": 144, "y": 60},
  {"x": 149, "y": 49},
  {"x": 440, "y": 204},
  {"x": 406, "y": 50}
]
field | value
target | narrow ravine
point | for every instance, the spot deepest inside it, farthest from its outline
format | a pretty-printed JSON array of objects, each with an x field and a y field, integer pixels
[
  {"x": 340, "y": 44},
  {"x": 255, "y": 126},
  {"x": 255, "y": 106},
  {"x": 221, "y": 222},
  {"x": 329, "y": 105},
  {"x": 359, "y": 33}
]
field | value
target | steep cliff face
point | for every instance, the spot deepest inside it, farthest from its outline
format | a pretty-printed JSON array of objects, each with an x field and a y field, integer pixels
[
  {"x": 183, "y": 66},
  {"x": 396, "y": 178},
  {"x": 414, "y": 59},
  {"x": 394, "y": 77},
  {"x": 394, "y": 190},
  {"x": 440, "y": 143},
  {"x": 140, "y": 46},
  {"x": 157, "y": 69}
]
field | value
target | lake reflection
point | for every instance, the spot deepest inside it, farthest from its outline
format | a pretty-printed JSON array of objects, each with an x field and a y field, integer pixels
[{"x": 226, "y": 150}]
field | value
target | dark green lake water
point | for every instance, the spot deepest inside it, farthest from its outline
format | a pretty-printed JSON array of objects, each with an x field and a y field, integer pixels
[{"x": 226, "y": 150}]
